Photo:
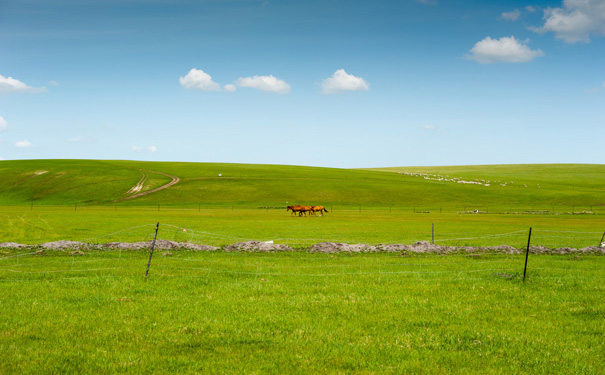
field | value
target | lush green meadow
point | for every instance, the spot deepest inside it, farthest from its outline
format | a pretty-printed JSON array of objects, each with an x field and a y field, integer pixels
[
  {"x": 296, "y": 312},
  {"x": 217, "y": 312},
  {"x": 218, "y": 204},
  {"x": 219, "y": 226}
]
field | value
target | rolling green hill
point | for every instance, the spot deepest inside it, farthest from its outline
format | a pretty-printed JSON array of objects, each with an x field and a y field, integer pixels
[{"x": 93, "y": 182}]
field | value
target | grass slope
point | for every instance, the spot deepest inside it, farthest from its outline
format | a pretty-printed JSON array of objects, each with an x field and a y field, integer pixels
[
  {"x": 97, "y": 182},
  {"x": 298, "y": 313}
]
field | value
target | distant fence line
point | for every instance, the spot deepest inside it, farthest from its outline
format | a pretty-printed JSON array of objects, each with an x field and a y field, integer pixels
[{"x": 502, "y": 209}]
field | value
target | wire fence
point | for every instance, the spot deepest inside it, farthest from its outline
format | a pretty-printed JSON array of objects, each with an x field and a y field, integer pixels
[
  {"x": 420, "y": 208},
  {"x": 284, "y": 266},
  {"x": 517, "y": 239}
]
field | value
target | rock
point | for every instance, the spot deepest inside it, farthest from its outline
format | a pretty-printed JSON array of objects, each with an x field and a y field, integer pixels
[
  {"x": 337, "y": 247},
  {"x": 62, "y": 245},
  {"x": 159, "y": 244},
  {"x": 13, "y": 245},
  {"x": 256, "y": 246}
]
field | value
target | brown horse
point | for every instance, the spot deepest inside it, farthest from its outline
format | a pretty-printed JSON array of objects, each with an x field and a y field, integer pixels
[
  {"x": 299, "y": 209},
  {"x": 320, "y": 209}
]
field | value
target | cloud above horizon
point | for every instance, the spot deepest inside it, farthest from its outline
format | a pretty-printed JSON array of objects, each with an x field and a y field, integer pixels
[
  {"x": 197, "y": 79},
  {"x": 263, "y": 83},
  {"x": 511, "y": 16},
  {"x": 10, "y": 84},
  {"x": 575, "y": 21},
  {"x": 3, "y": 124},
  {"x": 341, "y": 81},
  {"x": 23, "y": 144},
  {"x": 505, "y": 49}
]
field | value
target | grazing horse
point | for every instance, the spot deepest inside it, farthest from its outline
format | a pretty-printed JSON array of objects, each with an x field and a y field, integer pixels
[
  {"x": 299, "y": 209},
  {"x": 294, "y": 209},
  {"x": 315, "y": 209}
]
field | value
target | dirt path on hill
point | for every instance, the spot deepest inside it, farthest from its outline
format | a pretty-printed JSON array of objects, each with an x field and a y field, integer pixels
[{"x": 139, "y": 185}]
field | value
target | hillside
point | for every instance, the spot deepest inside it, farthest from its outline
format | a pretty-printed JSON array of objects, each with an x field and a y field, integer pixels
[{"x": 65, "y": 182}]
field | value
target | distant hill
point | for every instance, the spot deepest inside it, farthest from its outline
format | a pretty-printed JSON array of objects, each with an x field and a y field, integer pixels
[{"x": 65, "y": 182}]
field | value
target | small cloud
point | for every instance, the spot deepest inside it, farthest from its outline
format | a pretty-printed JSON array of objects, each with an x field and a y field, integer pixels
[
  {"x": 136, "y": 148},
  {"x": 505, "y": 49},
  {"x": 152, "y": 148},
  {"x": 530, "y": 9},
  {"x": 3, "y": 124},
  {"x": 14, "y": 85},
  {"x": 511, "y": 16},
  {"x": 266, "y": 3},
  {"x": 23, "y": 144},
  {"x": 264, "y": 83},
  {"x": 229, "y": 88},
  {"x": 429, "y": 127},
  {"x": 53, "y": 83},
  {"x": 342, "y": 81},
  {"x": 199, "y": 80},
  {"x": 576, "y": 21}
]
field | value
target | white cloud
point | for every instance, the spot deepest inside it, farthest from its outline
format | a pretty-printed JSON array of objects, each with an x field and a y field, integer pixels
[
  {"x": 199, "y": 80},
  {"x": 136, "y": 148},
  {"x": 511, "y": 16},
  {"x": 530, "y": 9},
  {"x": 14, "y": 85},
  {"x": 575, "y": 21},
  {"x": 53, "y": 83},
  {"x": 152, "y": 148},
  {"x": 3, "y": 124},
  {"x": 429, "y": 127},
  {"x": 341, "y": 81},
  {"x": 505, "y": 49},
  {"x": 23, "y": 144},
  {"x": 264, "y": 83},
  {"x": 229, "y": 88}
]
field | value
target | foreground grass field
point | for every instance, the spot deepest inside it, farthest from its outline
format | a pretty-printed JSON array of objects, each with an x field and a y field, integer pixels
[{"x": 282, "y": 313}]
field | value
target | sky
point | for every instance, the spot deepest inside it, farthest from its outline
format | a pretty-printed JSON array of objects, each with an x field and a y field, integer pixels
[{"x": 331, "y": 83}]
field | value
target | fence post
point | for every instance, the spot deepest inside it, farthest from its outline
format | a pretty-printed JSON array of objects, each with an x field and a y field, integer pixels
[
  {"x": 433, "y": 233},
  {"x": 602, "y": 237},
  {"x": 152, "y": 247},
  {"x": 526, "y": 254}
]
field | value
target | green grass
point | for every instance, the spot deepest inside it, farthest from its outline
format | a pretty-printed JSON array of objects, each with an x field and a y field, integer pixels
[
  {"x": 82, "y": 200},
  {"x": 66, "y": 182},
  {"x": 300, "y": 313},
  {"x": 220, "y": 227}
]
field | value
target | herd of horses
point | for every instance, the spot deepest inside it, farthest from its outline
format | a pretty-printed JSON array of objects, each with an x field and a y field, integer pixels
[{"x": 302, "y": 210}]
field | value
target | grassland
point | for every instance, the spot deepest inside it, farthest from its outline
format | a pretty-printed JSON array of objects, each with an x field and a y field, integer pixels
[
  {"x": 301, "y": 313},
  {"x": 90, "y": 182},
  {"x": 218, "y": 312},
  {"x": 46, "y": 200}
]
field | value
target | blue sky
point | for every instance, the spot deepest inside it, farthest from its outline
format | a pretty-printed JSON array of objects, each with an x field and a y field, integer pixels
[{"x": 320, "y": 82}]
